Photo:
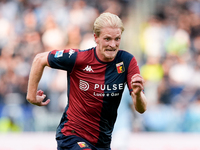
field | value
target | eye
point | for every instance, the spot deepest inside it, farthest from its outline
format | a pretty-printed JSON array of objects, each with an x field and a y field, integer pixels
[
  {"x": 117, "y": 39},
  {"x": 107, "y": 39}
]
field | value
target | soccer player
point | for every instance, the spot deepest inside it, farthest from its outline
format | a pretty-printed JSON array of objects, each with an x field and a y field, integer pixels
[{"x": 96, "y": 80}]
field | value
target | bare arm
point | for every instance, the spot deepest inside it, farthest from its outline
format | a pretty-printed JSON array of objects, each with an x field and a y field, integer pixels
[
  {"x": 33, "y": 95},
  {"x": 137, "y": 95}
]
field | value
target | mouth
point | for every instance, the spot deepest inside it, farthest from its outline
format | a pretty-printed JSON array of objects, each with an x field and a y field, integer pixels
[{"x": 110, "y": 50}]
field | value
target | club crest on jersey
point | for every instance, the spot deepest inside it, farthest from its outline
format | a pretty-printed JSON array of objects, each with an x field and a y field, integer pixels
[
  {"x": 82, "y": 144},
  {"x": 120, "y": 67},
  {"x": 59, "y": 54}
]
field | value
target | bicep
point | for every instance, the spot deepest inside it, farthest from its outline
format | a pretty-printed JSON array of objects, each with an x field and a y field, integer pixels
[{"x": 41, "y": 59}]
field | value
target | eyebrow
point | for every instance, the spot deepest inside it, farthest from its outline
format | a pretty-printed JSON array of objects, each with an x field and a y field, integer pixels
[{"x": 108, "y": 36}]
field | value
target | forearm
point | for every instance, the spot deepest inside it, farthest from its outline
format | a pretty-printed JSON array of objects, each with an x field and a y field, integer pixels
[
  {"x": 34, "y": 78},
  {"x": 139, "y": 102}
]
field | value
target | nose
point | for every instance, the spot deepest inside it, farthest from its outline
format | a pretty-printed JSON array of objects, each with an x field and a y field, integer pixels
[{"x": 112, "y": 43}]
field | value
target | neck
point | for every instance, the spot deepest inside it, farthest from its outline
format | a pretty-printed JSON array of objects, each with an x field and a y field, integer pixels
[{"x": 102, "y": 57}]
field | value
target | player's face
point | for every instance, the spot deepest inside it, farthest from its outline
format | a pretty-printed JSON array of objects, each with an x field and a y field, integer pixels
[{"x": 108, "y": 43}]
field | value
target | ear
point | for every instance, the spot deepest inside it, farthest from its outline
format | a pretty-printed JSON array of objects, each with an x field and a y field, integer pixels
[{"x": 96, "y": 38}]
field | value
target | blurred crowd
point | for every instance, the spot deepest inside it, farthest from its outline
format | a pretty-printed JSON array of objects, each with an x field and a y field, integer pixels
[
  {"x": 168, "y": 53},
  {"x": 170, "y": 41}
]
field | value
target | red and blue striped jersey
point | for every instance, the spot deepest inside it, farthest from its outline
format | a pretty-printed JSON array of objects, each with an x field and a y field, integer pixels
[{"x": 94, "y": 92}]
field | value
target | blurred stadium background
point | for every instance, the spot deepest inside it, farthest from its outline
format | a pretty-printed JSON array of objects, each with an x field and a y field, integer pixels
[{"x": 163, "y": 35}]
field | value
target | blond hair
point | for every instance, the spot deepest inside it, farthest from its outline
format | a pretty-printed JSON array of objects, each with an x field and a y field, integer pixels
[{"x": 107, "y": 20}]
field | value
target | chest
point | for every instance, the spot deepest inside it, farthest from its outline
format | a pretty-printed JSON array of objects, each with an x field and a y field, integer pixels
[{"x": 106, "y": 78}]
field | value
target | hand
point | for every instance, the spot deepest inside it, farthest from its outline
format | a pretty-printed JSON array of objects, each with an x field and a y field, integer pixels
[
  {"x": 40, "y": 97},
  {"x": 137, "y": 83}
]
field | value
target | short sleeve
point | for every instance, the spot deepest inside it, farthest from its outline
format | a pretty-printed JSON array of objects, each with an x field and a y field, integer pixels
[{"x": 62, "y": 59}]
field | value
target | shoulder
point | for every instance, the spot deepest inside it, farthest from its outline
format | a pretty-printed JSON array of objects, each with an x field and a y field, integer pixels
[
  {"x": 127, "y": 58},
  {"x": 86, "y": 53},
  {"x": 88, "y": 50},
  {"x": 122, "y": 54}
]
